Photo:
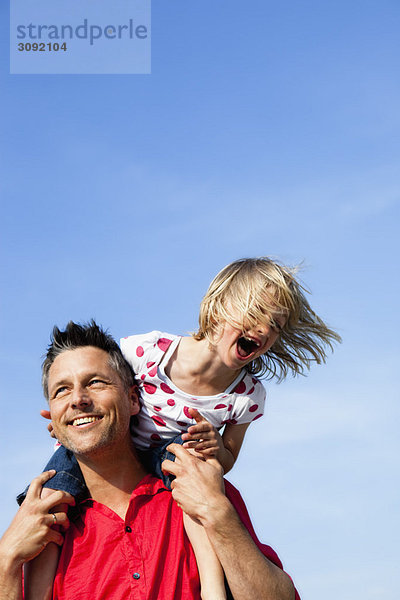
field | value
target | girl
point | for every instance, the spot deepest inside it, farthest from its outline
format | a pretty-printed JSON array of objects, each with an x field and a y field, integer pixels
[{"x": 202, "y": 390}]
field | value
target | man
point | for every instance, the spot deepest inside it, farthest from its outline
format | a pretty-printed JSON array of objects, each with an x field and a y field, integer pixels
[{"x": 126, "y": 538}]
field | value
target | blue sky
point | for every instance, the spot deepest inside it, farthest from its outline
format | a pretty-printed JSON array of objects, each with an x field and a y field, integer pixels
[{"x": 264, "y": 129}]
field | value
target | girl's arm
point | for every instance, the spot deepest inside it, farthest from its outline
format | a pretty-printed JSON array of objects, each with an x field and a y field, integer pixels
[
  {"x": 232, "y": 438},
  {"x": 225, "y": 448}
]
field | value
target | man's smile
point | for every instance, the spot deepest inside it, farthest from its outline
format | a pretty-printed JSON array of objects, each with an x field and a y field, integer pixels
[{"x": 86, "y": 420}]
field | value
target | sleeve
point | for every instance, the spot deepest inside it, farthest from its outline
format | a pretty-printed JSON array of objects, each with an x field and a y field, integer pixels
[
  {"x": 136, "y": 348},
  {"x": 68, "y": 475},
  {"x": 249, "y": 401},
  {"x": 240, "y": 507}
]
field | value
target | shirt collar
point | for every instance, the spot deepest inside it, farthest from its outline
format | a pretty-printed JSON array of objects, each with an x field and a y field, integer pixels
[{"x": 148, "y": 486}]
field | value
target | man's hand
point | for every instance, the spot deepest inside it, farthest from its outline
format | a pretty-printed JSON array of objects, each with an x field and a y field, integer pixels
[
  {"x": 198, "y": 487},
  {"x": 203, "y": 437},
  {"x": 46, "y": 415},
  {"x": 33, "y": 527}
]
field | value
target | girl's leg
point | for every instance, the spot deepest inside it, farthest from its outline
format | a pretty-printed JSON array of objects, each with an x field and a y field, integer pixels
[
  {"x": 210, "y": 570},
  {"x": 68, "y": 475},
  {"x": 39, "y": 574}
]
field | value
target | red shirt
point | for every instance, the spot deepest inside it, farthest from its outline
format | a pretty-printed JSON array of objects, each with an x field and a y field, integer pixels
[{"x": 145, "y": 557}]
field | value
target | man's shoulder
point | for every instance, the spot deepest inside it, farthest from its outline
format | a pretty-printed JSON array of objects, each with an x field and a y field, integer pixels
[{"x": 237, "y": 501}]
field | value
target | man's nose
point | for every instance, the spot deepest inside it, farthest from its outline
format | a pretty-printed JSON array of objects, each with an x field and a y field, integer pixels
[{"x": 80, "y": 397}]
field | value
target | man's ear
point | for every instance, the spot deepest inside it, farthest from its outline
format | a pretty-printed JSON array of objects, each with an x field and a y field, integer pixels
[{"x": 134, "y": 398}]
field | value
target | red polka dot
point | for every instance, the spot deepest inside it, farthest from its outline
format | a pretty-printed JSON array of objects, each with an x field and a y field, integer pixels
[
  {"x": 186, "y": 411},
  {"x": 157, "y": 408},
  {"x": 240, "y": 388},
  {"x": 158, "y": 421},
  {"x": 225, "y": 422},
  {"x": 139, "y": 351},
  {"x": 165, "y": 388},
  {"x": 171, "y": 402},
  {"x": 233, "y": 421},
  {"x": 254, "y": 380},
  {"x": 230, "y": 407},
  {"x": 219, "y": 406},
  {"x": 150, "y": 364},
  {"x": 155, "y": 436},
  {"x": 257, "y": 417},
  {"x": 153, "y": 372},
  {"x": 164, "y": 344},
  {"x": 250, "y": 391},
  {"x": 150, "y": 388},
  {"x": 181, "y": 424},
  {"x": 253, "y": 408},
  {"x": 143, "y": 377}
]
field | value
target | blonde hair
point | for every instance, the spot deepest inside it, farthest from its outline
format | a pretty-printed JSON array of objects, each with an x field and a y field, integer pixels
[{"x": 255, "y": 290}]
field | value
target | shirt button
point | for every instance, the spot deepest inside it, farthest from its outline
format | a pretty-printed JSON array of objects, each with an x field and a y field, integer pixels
[
  {"x": 128, "y": 529},
  {"x": 136, "y": 576}
]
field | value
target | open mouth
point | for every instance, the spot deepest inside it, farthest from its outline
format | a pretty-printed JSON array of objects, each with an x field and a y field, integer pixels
[
  {"x": 246, "y": 347},
  {"x": 85, "y": 421}
]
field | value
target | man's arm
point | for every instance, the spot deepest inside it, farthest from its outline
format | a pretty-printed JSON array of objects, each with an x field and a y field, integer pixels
[
  {"x": 29, "y": 533},
  {"x": 199, "y": 490}
]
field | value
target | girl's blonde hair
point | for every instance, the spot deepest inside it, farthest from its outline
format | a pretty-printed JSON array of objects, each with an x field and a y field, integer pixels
[{"x": 255, "y": 290}]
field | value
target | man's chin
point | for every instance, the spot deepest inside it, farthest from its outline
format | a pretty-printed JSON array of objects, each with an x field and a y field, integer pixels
[{"x": 85, "y": 446}]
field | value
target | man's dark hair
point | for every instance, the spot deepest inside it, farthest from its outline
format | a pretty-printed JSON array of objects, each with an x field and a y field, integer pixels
[{"x": 77, "y": 335}]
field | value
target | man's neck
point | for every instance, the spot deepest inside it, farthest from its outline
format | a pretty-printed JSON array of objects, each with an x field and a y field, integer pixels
[{"x": 111, "y": 478}]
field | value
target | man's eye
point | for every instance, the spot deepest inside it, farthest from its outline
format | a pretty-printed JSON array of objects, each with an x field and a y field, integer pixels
[
  {"x": 60, "y": 390},
  {"x": 97, "y": 382}
]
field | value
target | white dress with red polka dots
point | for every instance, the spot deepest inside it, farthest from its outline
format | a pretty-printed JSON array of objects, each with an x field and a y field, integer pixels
[{"x": 164, "y": 413}]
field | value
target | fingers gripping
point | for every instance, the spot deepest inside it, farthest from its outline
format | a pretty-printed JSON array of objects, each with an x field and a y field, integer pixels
[
  {"x": 59, "y": 520},
  {"x": 202, "y": 430},
  {"x": 35, "y": 488},
  {"x": 55, "y": 536},
  {"x": 194, "y": 413},
  {"x": 53, "y": 502},
  {"x": 57, "y": 497}
]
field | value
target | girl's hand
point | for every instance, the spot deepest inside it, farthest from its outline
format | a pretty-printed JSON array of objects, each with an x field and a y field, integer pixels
[
  {"x": 46, "y": 415},
  {"x": 203, "y": 437}
]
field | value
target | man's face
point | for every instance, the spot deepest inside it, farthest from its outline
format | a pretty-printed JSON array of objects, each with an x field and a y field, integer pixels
[{"x": 89, "y": 405}]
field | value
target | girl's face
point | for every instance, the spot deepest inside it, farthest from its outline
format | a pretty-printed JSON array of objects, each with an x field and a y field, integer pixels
[{"x": 236, "y": 348}]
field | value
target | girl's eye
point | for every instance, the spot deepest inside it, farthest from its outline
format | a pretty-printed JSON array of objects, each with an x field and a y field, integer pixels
[{"x": 276, "y": 326}]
